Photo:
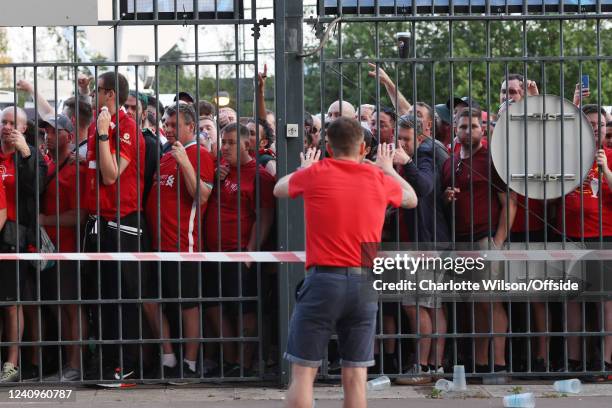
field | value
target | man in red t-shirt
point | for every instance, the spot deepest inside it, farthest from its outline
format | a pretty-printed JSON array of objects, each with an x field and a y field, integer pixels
[
  {"x": 62, "y": 189},
  {"x": 336, "y": 293},
  {"x": 230, "y": 225},
  {"x": 582, "y": 219},
  {"x": 470, "y": 191},
  {"x": 115, "y": 172},
  {"x": 21, "y": 165},
  {"x": 187, "y": 169}
]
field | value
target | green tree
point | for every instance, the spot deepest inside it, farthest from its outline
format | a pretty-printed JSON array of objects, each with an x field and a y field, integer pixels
[{"x": 431, "y": 75}]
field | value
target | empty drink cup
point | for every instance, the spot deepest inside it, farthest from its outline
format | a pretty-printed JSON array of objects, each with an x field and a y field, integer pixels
[
  {"x": 526, "y": 400},
  {"x": 572, "y": 386},
  {"x": 459, "y": 378},
  {"x": 444, "y": 385},
  {"x": 379, "y": 383}
]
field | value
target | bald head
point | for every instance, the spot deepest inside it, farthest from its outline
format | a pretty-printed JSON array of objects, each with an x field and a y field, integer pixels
[
  {"x": 348, "y": 111},
  {"x": 7, "y": 120}
]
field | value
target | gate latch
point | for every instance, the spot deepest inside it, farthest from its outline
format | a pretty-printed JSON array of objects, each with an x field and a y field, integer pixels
[
  {"x": 543, "y": 177},
  {"x": 544, "y": 116}
]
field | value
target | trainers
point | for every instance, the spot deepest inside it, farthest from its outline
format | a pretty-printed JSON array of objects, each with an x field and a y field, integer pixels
[
  {"x": 607, "y": 377},
  {"x": 10, "y": 373},
  {"x": 68, "y": 374},
  {"x": 29, "y": 372},
  {"x": 189, "y": 376},
  {"x": 115, "y": 375},
  {"x": 415, "y": 376},
  {"x": 436, "y": 373},
  {"x": 209, "y": 367}
]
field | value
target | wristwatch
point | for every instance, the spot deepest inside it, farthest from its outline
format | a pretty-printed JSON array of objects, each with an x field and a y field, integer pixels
[{"x": 103, "y": 138}]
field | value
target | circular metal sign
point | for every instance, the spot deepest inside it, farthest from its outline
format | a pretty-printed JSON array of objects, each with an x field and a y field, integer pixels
[{"x": 545, "y": 151}]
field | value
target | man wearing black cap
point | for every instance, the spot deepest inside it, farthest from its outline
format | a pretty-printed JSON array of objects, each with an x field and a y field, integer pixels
[
  {"x": 444, "y": 124},
  {"x": 185, "y": 97},
  {"x": 456, "y": 104},
  {"x": 60, "y": 207}
]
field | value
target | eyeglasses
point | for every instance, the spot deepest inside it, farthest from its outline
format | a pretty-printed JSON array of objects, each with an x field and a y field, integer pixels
[{"x": 97, "y": 90}]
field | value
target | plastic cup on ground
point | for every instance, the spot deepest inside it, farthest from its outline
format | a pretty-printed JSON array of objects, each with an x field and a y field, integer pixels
[
  {"x": 444, "y": 385},
  {"x": 526, "y": 400},
  {"x": 459, "y": 383},
  {"x": 573, "y": 386},
  {"x": 379, "y": 383}
]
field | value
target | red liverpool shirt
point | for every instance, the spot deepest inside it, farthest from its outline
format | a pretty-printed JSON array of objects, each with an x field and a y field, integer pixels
[
  {"x": 132, "y": 148},
  {"x": 344, "y": 206},
  {"x": 228, "y": 205},
  {"x": 169, "y": 174},
  {"x": 64, "y": 185}
]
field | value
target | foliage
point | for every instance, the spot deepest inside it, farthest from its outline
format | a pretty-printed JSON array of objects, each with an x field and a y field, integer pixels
[
  {"x": 469, "y": 43},
  {"x": 173, "y": 77}
]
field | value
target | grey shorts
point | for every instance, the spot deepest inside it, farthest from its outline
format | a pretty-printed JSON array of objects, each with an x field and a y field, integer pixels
[
  {"x": 333, "y": 300},
  {"x": 428, "y": 299}
]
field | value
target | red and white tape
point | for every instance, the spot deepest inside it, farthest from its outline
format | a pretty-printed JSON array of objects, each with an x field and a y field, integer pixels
[
  {"x": 161, "y": 256},
  {"x": 300, "y": 256}
]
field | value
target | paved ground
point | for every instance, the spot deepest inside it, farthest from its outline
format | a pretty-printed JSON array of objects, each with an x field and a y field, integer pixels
[{"x": 592, "y": 396}]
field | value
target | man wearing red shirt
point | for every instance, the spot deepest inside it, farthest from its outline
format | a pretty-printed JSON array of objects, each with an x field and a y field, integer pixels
[
  {"x": 336, "y": 293},
  {"x": 529, "y": 223},
  {"x": 233, "y": 211},
  {"x": 62, "y": 187},
  {"x": 17, "y": 157},
  {"x": 187, "y": 170},
  {"x": 114, "y": 200},
  {"x": 470, "y": 191},
  {"x": 583, "y": 204}
]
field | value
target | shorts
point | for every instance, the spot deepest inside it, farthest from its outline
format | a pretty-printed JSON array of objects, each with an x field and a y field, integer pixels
[
  {"x": 9, "y": 289},
  {"x": 424, "y": 298},
  {"x": 68, "y": 281},
  {"x": 188, "y": 272},
  {"x": 237, "y": 280},
  {"x": 333, "y": 299}
]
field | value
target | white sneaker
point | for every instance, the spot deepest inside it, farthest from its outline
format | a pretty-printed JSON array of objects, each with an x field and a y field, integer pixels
[{"x": 10, "y": 373}]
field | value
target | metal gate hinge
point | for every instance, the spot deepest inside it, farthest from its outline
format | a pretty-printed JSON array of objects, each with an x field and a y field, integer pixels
[
  {"x": 544, "y": 116},
  {"x": 543, "y": 177}
]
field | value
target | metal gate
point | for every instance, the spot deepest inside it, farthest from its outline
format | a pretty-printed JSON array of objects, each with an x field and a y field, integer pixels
[{"x": 440, "y": 53}]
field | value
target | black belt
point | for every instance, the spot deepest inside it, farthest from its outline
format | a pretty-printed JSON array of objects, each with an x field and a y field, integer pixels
[{"x": 343, "y": 270}]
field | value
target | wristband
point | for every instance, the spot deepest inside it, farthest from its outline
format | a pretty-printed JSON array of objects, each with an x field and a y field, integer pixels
[{"x": 103, "y": 138}]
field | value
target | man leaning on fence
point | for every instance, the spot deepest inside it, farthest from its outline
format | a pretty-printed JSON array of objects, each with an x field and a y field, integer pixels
[
  {"x": 187, "y": 169},
  {"x": 336, "y": 294},
  {"x": 115, "y": 173}
]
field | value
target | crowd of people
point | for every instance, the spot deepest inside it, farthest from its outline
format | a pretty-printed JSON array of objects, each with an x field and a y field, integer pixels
[{"x": 115, "y": 171}]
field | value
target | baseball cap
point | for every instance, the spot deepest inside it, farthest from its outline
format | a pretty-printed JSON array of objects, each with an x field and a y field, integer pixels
[
  {"x": 444, "y": 113},
  {"x": 61, "y": 122},
  {"x": 185, "y": 95},
  {"x": 464, "y": 99}
]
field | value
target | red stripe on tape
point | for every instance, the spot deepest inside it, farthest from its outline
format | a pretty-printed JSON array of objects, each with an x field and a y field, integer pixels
[
  {"x": 239, "y": 256},
  {"x": 147, "y": 256},
  {"x": 289, "y": 256}
]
